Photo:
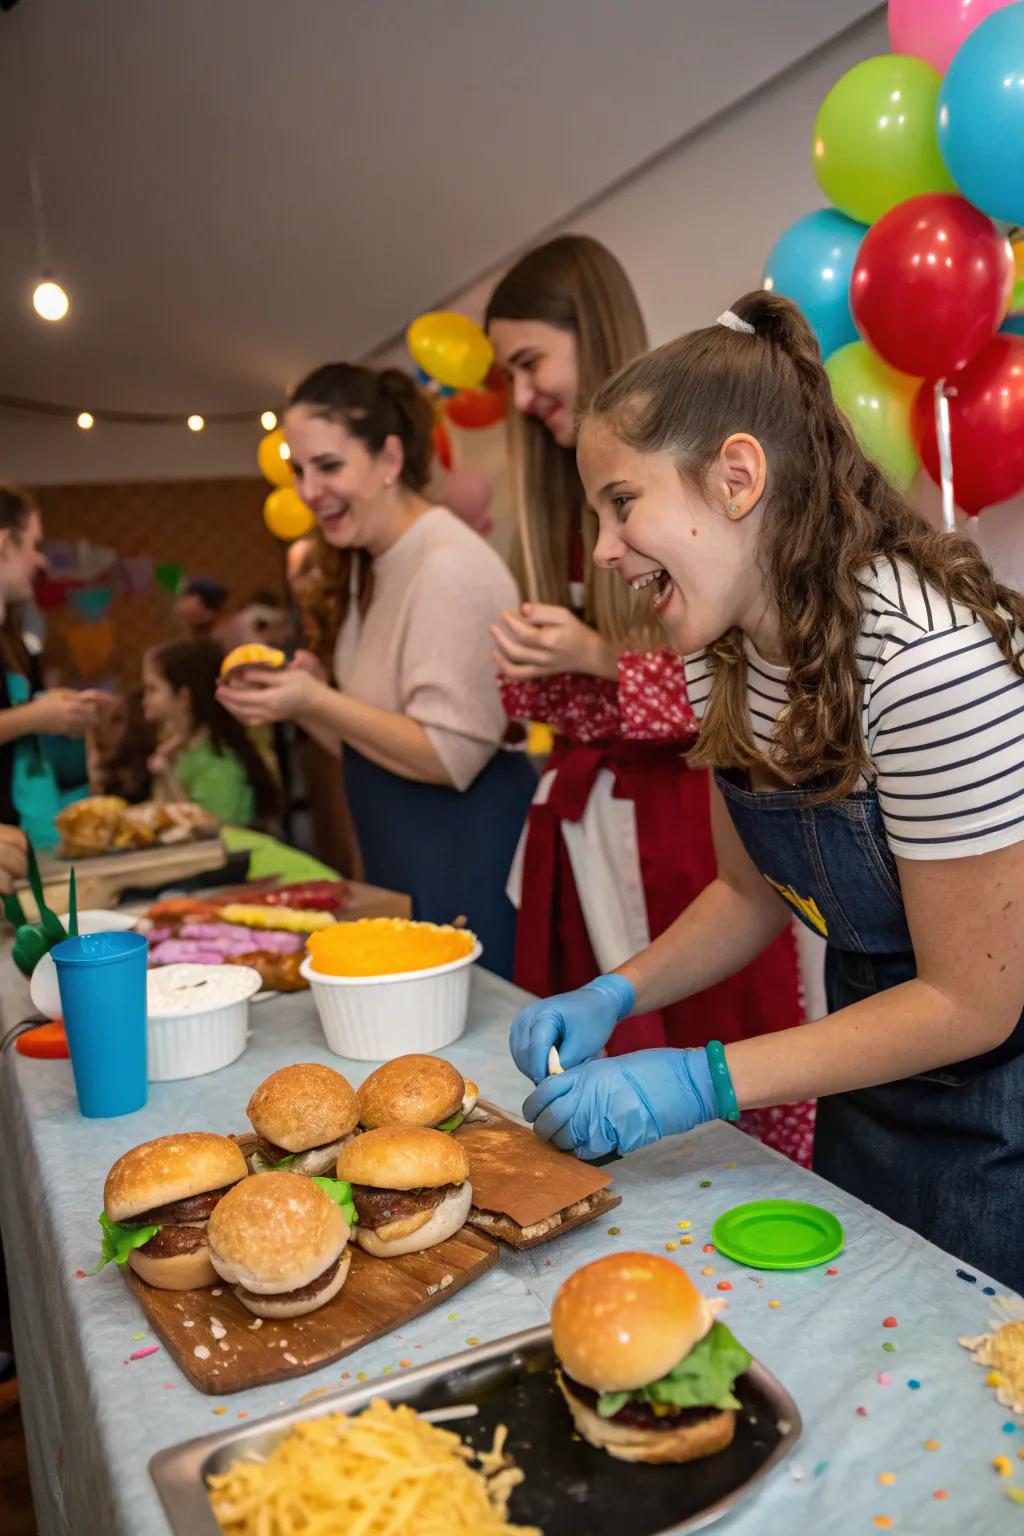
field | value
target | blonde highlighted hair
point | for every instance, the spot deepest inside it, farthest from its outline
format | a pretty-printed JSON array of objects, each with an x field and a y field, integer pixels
[
  {"x": 829, "y": 512},
  {"x": 577, "y": 285}
]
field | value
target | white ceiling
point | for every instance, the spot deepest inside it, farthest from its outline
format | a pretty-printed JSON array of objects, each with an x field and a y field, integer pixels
[{"x": 237, "y": 189}]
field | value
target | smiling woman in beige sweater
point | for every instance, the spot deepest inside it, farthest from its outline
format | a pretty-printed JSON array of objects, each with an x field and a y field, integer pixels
[{"x": 408, "y": 595}]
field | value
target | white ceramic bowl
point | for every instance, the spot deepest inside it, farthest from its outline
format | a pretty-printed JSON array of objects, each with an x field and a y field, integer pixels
[
  {"x": 372, "y": 1018},
  {"x": 197, "y": 1018},
  {"x": 43, "y": 988}
]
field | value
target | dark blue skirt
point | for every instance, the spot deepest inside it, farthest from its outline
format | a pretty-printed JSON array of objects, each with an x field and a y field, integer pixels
[{"x": 449, "y": 849}]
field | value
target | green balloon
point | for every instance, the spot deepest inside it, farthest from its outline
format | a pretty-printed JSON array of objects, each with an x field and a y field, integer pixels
[
  {"x": 877, "y": 401},
  {"x": 874, "y": 137}
]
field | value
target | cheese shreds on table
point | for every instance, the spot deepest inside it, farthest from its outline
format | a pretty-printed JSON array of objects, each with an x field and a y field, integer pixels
[
  {"x": 288, "y": 919},
  {"x": 385, "y": 1472},
  {"x": 386, "y": 946}
]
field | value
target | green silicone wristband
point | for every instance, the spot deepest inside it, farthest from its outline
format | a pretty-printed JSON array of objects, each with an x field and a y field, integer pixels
[{"x": 725, "y": 1093}]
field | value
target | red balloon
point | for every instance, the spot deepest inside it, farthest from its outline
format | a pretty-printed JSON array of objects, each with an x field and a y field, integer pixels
[
  {"x": 986, "y": 426},
  {"x": 472, "y": 409},
  {"x": 442, "y": 445},
  {"x": 931, "y": 284}
]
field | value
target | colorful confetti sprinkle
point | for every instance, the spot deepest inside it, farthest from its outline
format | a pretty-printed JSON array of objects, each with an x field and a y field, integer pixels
[
  {"x": 684, "y": 1226},
  {"x": 138, "y": 1336},
  {"x": 884, "y": 1379},
  {"x": 963, "y": 1274},
  {"x": 80, "y": 1274},
  {"x": 686, "y": 1241},
  {"x": 724, "y": 1285},
  {"x": 775, "y": 1305},
  {"x": 1020, "y": 1455},
  {"x": 820, "y": 1468},
  {"x": 862, "y": 1413},
  {"x": 360, "y": 1375},
  {"x": 218, "y": 1410},
  {"x": 307, "y": 1397},
  {"x": 914, "y": 1384},
  {"x": 671, "y": 1247},
  {"x": 707, "y": 1270},
  {"x": 614, "y": 1231},
  {"x": 243, "y": 1413},
  {"x": 387, "y": 1370},
  {"x": 730, "y": 1165},
  {"x": 403, "y": 1365},
  {"x": 1003, "y": 1465},
  {"x": 1016, "y": 1495},
  {"x": 709, "y": 1247},
  {"x": 140, "y": 1354},
  {"x": 1009, "y": 1428},
  {"x": 993, "y": 1379},
  {"x": 472, "y": 1340},
  {"x": 887, "y": 1479},
  {"x": 932, "y": 1445},
  {"x": 453, "y": 1317},
  {"x": 988, "y": 1290},
  {"x": 705, "y": 1184},
  {"x": 884, "y": 1522},
  {"x": 889, "y": 1322},
  {"x": 890, "y": 1349},
  {"x": 941, "y": 1493},
  {"x": 345, "y": 1375}
]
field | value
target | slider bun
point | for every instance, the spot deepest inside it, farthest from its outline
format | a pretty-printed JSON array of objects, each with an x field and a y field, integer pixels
[
  {"x": 688, "y": 1442},
  {"x": 411, "y": 1090},
  {"x": 626, "y": 1320},
  {"x": 403, "y": 1157},
  {"x": 180, "y": 1272},
  {"x": 444, "y": 1222},
  {"x": 303, "y": 1106},
  {"x": 282, "y": 1307},
  {"x": 168, "y": 1169},
  {"x": 275, "y": 1233}
]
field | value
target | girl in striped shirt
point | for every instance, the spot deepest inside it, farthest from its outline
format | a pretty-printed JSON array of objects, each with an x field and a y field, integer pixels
[{"x": 860, "y": 684}]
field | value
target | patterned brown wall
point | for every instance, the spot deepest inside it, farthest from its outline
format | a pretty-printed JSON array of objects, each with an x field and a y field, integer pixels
[{"x": 211, "y": 527}]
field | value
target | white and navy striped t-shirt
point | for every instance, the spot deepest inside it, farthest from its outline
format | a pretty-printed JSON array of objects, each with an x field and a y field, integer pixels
[{"x": 943, "y": 717}]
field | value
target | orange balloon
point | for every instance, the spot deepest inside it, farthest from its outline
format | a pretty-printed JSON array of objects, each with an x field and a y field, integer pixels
[
  {"x": 272, "y": 455},
  {"x": 286, "y": 514}
]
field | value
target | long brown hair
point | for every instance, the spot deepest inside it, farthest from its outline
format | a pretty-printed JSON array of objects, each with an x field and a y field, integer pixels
[
  {"x": 195, "y": 666},
  {"x": 573, "y": 283},
  {"x": 829, "y": 512},
  {"x": 372, "y": 406},
  {"x": 16, "y": 507}
]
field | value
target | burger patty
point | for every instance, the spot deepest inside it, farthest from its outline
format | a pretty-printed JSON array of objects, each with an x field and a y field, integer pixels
[
  {"x": 306, "y": 1292},
  {"x": 376, "y": 1207},
  {"x": 194, "y": 1208},
  {"x": 640, "y": 1415},
  {"x": 171, "y": 1241}
]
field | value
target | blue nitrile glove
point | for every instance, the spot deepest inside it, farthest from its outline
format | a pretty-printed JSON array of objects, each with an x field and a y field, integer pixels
[
  {"x": 623, "y": 1102},
  {"x": 580, "y": 1023}
]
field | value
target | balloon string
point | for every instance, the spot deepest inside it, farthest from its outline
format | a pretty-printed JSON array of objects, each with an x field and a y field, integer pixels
[{"x": 942, "y": 435}]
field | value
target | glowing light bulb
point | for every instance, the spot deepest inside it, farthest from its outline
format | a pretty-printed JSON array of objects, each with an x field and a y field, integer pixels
[
  {"x": 86, "y": 420},
  {"x": 286, "y": 452},
  {"x": 196, "y": 423},
  {"x": 49, "y": 301},
  {"x": 268, "y": 421}
]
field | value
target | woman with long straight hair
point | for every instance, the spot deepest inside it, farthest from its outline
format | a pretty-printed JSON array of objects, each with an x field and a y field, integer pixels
[{"x": 619, "y": 838}]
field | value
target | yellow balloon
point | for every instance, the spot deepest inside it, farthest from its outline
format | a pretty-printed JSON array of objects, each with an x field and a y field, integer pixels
[
  {"x": 286, "y": 514},
  {"x": 272, "y": 456},
  {"x": 451, "y": 348}
]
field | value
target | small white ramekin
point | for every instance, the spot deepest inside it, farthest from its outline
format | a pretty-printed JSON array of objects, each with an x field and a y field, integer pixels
[
  {"x": 191, "y": 1042},
  {"x": 373, "y": 1018}
]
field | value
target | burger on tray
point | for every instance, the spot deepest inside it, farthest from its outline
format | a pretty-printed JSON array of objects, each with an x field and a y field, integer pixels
[
  {"x": 416, "y": 1090},
  {"x": 302, "y": 1115},
  {"x": 282, "y": 1242},
  {"x": 410, "y": 1188},
  {"x": 157, "y": 1202},
  {"x": 646, "y": 1368}
]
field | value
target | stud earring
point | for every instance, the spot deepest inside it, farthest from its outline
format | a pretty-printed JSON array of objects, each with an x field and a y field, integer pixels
[{"x": 732, "y": 512}]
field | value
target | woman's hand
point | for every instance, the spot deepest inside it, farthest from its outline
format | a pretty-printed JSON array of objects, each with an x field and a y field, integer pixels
[
  {"x": 579, "y": 1023},
  {"x": 544, "y": 640},
  {"x": 623, "y": 1102},
  {"x": 269, "y": 697},
  {"x": 307, "y": 662},
  {"x": 63, "y": 712},
  {"x": 13, "y": 860}
]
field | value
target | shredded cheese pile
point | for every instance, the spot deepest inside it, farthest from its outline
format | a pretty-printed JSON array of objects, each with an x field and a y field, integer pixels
[
  {"x": 284, "y": 919},
  {"x": 386, "y": 946},
  {"x": 383, "y": 1473}
]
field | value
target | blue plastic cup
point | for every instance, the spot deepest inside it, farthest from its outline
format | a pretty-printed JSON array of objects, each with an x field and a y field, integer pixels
[{"x": 102, "y": 980}]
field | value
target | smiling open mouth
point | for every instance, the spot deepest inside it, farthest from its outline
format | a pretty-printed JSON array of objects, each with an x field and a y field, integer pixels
[{"x": 659, "y": 586}]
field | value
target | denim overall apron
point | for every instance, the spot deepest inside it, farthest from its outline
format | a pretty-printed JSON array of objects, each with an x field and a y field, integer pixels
[
  {"x": 450, "y": 850},
  {"x": 942, "y": 1152}
]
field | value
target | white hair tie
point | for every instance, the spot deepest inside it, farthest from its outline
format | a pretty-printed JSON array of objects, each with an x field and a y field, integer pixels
[{"x": 734, "y": 323}]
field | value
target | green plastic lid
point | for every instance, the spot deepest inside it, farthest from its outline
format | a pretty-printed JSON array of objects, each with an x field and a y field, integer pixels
[{"x": 778, "y": 1234}]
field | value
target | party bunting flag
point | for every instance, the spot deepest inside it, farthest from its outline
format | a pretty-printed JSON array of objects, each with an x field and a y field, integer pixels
[
  {"x": 49, "y": 594},
  {"x": 136, "y": 575},
  {"x": 92, "y": 602},
  {"x": 90, "y": 646},
  {"x": 168, "y": 576}
]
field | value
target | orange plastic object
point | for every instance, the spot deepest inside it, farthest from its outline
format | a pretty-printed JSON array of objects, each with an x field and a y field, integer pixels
[{"x": 47, "y": 1042}]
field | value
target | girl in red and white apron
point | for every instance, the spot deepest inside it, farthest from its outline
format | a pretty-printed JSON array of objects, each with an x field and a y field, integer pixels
[{"x": 618, "y": 840}]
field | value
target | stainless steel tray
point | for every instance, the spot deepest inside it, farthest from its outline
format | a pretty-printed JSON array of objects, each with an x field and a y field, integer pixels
[{"x": 511, "y": 1382}]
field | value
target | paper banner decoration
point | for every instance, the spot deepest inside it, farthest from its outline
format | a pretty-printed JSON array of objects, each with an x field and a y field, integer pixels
[
  {"x": 136, "y": 574},
  {"x": 92, "y": 602},
  {"x": 60, "y": 557},
  {"x": 90, "y": 646},
  {"x": 49, "y": 594},
  {"x": 168, "y": 576}
]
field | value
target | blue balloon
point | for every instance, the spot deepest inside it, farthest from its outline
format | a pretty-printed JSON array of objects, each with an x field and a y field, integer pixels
[
  {"x": 812, "y": 264},
  {"x": 981, "y": 116},
  {"x": 1014, "y": 324}
]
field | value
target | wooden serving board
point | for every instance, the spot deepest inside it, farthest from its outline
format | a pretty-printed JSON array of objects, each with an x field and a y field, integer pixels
[
  {"x": 222, "y": 1348},
  {"x": 101, "y": 879},
  {"x": 523, "y": 1161}
]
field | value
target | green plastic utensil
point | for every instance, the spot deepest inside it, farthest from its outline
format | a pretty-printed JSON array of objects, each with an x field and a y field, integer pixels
[
  {"x": 778, "y": 1234},
  {"x": 72, "y": 909},
  {"x": 49, "y": 921}
]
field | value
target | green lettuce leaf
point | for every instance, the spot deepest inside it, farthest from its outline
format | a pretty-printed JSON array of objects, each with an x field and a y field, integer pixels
[
  {"x": 340, "y": 1191},
  {"x": 452, "y": 1124},
  {"x": 703, "y": 1379},
  {"x": 119, "y": 1241},
  {"x": 284, "y": 1162}
]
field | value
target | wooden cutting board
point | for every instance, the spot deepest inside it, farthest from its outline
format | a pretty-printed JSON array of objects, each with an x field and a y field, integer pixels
[
  {"x": 515, "y": 1174},
  {"x": 222, "y": 1348},
  {"x": 100, "y": 880}
]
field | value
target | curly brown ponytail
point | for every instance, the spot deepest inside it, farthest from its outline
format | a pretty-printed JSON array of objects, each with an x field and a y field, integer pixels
[{"x": 829, "y": 512}]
